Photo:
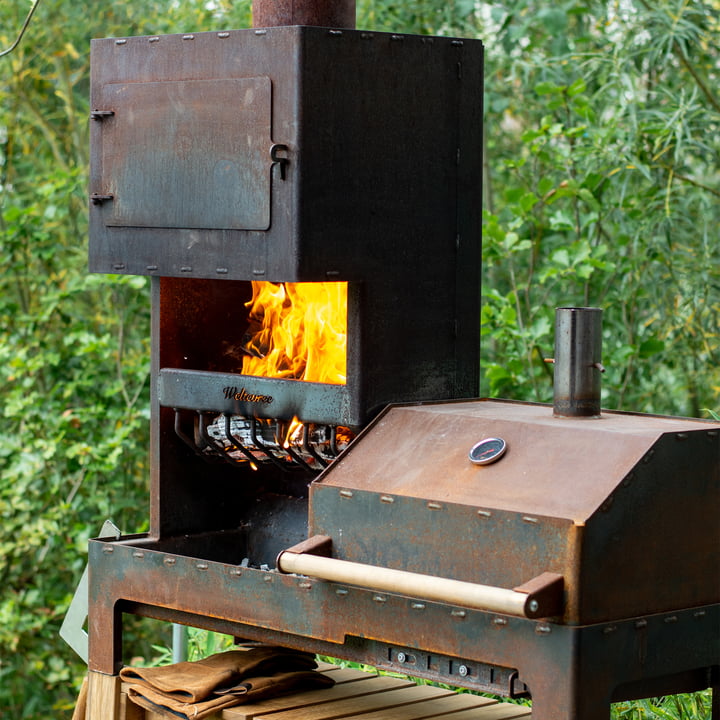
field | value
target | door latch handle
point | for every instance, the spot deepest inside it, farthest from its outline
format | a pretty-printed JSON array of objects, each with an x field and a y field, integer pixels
[{"x": 282, "y": 161}]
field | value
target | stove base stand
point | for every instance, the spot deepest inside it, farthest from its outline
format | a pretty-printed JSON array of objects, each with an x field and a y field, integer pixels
[
  {"x": 571, "y": 672},
  {"x": 571, "y": 695}
]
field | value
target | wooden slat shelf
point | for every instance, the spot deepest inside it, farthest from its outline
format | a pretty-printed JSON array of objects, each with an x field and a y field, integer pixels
[{"x": 359, "y": 695}]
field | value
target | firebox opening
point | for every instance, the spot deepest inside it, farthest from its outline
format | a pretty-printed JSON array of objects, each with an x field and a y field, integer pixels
[
  {"x": 291, "y": 331},
  {"x": 256, "y": 371}
]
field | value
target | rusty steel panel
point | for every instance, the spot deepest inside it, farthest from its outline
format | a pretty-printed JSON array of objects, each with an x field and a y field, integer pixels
[
  {"x": 445, "y": 540},
  {"x": 188, "y": 153},
  {"x": 200, "y": 61},
  {"x": 655, "y": 542},
  {"x": 238, "y": 395},
  {"x": 328, "y": 13},
  {"x": 553, "y": 467},
  {"x": 367, "y": 181}
]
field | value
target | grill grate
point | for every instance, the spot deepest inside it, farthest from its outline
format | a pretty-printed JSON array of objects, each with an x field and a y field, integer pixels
[{"x": 239, "y": 440}]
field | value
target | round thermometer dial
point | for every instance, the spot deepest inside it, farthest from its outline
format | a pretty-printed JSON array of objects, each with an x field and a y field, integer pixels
[{"x": 487, "y": 451}]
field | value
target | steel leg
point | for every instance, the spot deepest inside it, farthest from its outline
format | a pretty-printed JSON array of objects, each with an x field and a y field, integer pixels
[
  {"x": 565, "y": 681},
  {"x": 581, "y": 704},
  {"x": 104, "y": 636}
]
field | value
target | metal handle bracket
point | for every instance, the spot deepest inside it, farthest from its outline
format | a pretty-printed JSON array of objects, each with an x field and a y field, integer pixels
[
  {"x": 546, "y": 592},
  {"x": 99, "y": 198},
  {"x": 101, "y": 115}
]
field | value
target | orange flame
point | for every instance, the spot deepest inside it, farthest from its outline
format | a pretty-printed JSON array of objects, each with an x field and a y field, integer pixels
[
  {"x": 297, "y": 331},
  {"x": 294, "y": 433}
]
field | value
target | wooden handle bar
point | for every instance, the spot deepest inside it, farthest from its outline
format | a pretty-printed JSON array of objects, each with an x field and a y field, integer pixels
[{"x": 453, "y": 592}]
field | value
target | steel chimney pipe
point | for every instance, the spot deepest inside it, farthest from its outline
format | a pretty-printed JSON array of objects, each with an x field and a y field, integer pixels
[
  {"x": 578, "y": 351},
  {"x": 325, "y": 13}
]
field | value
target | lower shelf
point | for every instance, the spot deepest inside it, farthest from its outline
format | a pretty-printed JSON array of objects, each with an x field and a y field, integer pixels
[{"x": 364, "y": 696}]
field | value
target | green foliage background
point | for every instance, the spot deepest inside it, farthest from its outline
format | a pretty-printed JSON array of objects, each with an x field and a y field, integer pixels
[{"x": 602, "y": 187}]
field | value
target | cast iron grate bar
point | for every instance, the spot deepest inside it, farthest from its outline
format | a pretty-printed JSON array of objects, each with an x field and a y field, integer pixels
[{"x": 239, "y": 441}]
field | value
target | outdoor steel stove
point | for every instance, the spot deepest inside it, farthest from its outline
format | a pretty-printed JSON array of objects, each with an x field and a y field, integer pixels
[
  {"x": 579, "y": 567},
  {"x": 287, "y": 154}
]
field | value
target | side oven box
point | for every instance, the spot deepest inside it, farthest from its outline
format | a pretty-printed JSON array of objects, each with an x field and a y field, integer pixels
[{"x": 615, "y": 505}]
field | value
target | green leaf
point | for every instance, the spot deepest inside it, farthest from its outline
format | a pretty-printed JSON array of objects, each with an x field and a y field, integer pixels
[
  {"x": 651, "y": 347},
  {"x": 560, "y": 220},
  {"x": 548, "y": 88},
  {"x": 589, "y": 198},
  {"x": 561, "y": 257},
  {"x": 545, "y": 185},
  {"x": 496, "y": 373},
  {"x": 528, "y": 201},
  {"x": 508, "y": 315},
  {"x": 576, "y": 87}
]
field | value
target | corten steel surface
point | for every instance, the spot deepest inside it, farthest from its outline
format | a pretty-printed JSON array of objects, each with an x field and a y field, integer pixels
[
  {"x": 201, "y": 150},
  {"x": 616, "y": 505},
  {"x": 328, "y": 13},
  {"x": 287, "y": 154},
  {"x": 572, "y": 671},
  {"x": 213, "y": 391}
]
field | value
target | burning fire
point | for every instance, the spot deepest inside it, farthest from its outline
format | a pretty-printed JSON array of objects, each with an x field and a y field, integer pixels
[{"x": 297, "y": 331}]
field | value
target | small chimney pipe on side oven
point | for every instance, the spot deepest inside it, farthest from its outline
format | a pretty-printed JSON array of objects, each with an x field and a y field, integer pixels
[
  {"x": 324, "y": 13},
  {"x": 578, "y": 353}
]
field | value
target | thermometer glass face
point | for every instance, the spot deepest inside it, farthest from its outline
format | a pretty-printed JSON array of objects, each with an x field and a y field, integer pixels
[{"x": 487, "y": 451}]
